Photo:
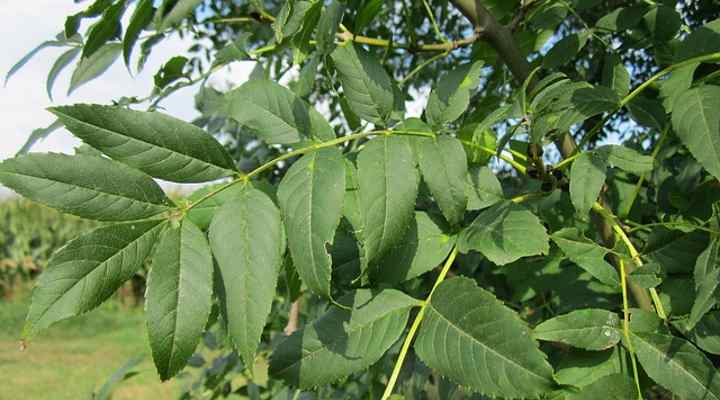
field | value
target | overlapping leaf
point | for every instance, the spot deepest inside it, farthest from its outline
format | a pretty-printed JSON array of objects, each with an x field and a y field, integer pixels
[
  {"x": 697, "y": 124},
  {"x": 443, "y": 163},
  {"x": 158, "y": 144},
  {"x": 587, "y": 254},
  {"x": 589, "y": 329},
  {"x": 451, "y": 96}
]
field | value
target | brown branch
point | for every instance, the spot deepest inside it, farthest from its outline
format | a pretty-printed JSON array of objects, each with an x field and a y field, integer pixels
[
  {"x": 500, "y": 38},
  {"x": 293, "y": 323}
]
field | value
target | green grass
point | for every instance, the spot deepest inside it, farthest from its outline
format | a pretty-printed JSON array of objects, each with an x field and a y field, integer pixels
[{"x": 76, "y": 356}]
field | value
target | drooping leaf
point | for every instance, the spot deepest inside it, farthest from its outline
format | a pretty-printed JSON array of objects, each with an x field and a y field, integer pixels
[
  {"x": 483, "y": 189},
  {"x": 104, "y": 29},
  {"x": 95, "y": 65},
  {"x": 37, "y": 135},
  {"x": 275, "y": 113},
  {"x": 63, "y": 61},
  {"x": 475, "y": 340},
  {"x": 27, "y": 57},
  {"x": 706, "y": 334},
  {"x": 443, "y": 164},
  {"x": 677, "y": 365},
  {"x": 366, "y": 85},
  {"x": 424, "y": 247},
  {"x": 697, "y": 124},
  {"x": 615, "y": 75},
  {"x": 311, "y": 199},
  {"x": 328, "y": 26},
  {"x": 366, "y": 14},
  {"x": 707, "y": 280},
  {"x": 246, "y": 236},
  {"x": 388, "y": 182},
  {"x": 179, "y": 296},
  {"x": 179, "y": 11},
  {"x": 504, "y": 233},
  {"x": 589, "y": 329},
  {"x": 566, "y": 49},
  {"x": 342, "y": 342},
  {"x": 88, "y": 270},
  {"x": 141, "y": 19},
  {"x": 451, "y": 96},
  {"x": 587, "y": 254},
  {"x": 87, "y": 186},
  {"x": 170, "y": 72},
  {"x": 587, "y": 176},
  {"x": 155, "y": 143}
]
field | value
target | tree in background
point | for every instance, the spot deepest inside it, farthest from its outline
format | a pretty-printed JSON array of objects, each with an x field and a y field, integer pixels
[{"x": 360, "y": 253}]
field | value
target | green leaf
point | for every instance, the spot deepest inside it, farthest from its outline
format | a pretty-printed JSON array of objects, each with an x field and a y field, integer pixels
[
  {"x": 615, "y": 75},
  {"x": 443, "y": 164},
  {"x": 233, "y": 51},
  {"x": 342, "y": 342},
  {"x": 475, "y": 340},
  {"x": 307, "y": 78},
  {"x": 95, "y": 65},
  {"x": 365, "y": 15},
  {"x": 366, "y": 85},
  {"x": 677, "y": 83},
  {"x": 703, "y": 40},
  {"x": 581, "y": 368},
  {"x": 88, "y": 270},
  {"x": 246, "y": 236},
  {"x": 202, "y": 214},
  {"x": 477, "y": 140},
  {"x": 60, "y": 64},
  {"x": 706, "y": 334},
  {"x": 423, "y": 248},
  {"x": 86, "y": 186},
  {"x": 663, "y": 23},
  {"x": 328, "y": 26},
  {"x": 504, "y": 233},
  {"x": 181, "y": 9},
  {"x": 141, "y": 19},
  {"x": 589, "y": 329},
  {"x": 587, "y": 176},
  {"x": 707, "y": 280},
  {"x": 104, "y": 30},
  {"x": 170, "y": 72},
  {"x": 565, "y": 50},
  {"x": 179, "y": 296},
  {"x": 615, "y": 386},
  {"x": 275, "y": 114},
  {"x": 27, "y": 57},
  {"x": 697, "y": 124},
  {"x": 677, "y": 365},
  {"x": 311, "y": 199},
  {"x": 451, "y": 96},
  {"x": 587, "y": 254},
  {"x": 155, "y": 143},
  {"x": 37, "y": 135},
  {"x": 626, "y": 159},
  {"x": 647, "y": 276},
  {"x": 483, "y": 188},
  {"x": 388, "y": 182}
]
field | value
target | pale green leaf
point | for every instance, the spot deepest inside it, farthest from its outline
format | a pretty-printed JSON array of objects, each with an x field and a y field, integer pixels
[
  {"x": 246, "y": 236},
  {"x": 504, "y": 233},
  {"x": 677, "y": 365},
  {"x": 311, "y": 199},
  {"x": 178, "y": 299},
  {"x": 155, "y": 143},
  {"x": 451, "y": 96},
  {"x": 587, "y": 254},
  {"x": 366, "y": 85},
  {"x": 63, "y": 61},
  {"x": 27, "y": 57},
  {"x": 443, "y": 164},
  {"x": 589, "y": 329},
  {"x": 88, "y": 270},
  {"x": 696, "y": 121},
  {"x": 275, "y": 113},
  {"x": 342, "y": 342},
  {"x": 95, "y": 65},
  {"x": 87, "y": 186},
  {"x": 388, "y": 182},
  {"x": 475, "y": 340}
]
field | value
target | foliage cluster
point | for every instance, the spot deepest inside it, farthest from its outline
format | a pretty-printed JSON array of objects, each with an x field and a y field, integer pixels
[{"x": 516, "y": 285}]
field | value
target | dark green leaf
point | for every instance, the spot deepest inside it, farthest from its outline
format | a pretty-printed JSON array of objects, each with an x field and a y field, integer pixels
[
  {"x": 179, "y": 296},
  {"x": 246, "y": 236},
  {"x": 141, "y": 19},
  {"x": 104, "y": 30},
  {"x": 565, "y": 50},
  {"x": 342, "y": 342},
  {"x": 311, "y": 198},
  {"x": 589, "y": 329},
  {"x": 615, "y": 75},
  {"x": 451, "y": 96},
  {"x": 475, "y": 340},
  {"x": 158, "y": 144},
  {"x": 63, "y": 61},
  {"x": 328, "y": 26},
  {"x": 443, "y": 164},
  {"x": 697, "y": 124},
  {"x": 707, "y": 280},
  {"x": 87, "y": 186},
  {"x": 663, "y": 22},
  {"x": 88, "y": 270},
  {"x": 179, "y": 11},
  {"x": 367, "y": 14},
  {"x": 504, "y": 233},
  {"x": 587, "y": 254},
  {"x": 483, "y": 188},
  {"x": 615, "y": 386}
]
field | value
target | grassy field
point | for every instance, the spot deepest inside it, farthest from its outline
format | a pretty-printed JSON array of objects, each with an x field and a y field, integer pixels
[{"x": 74, "y": 357}]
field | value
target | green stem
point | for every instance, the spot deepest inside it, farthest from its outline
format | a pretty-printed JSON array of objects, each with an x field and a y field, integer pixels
[
  {"x": 423, "y": 65},
  {"x": 519, "y": 167},
  {"x": 435, "y": 26},
  {"x": 415, "y": 325},
  {"x": 317, "y": 146},
  {"x": 626, "y": 327}
]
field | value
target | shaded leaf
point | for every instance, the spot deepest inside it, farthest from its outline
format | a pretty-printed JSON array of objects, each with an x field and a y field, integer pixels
[
  {"x": 587, "y": 254},
  {"x": 697, "y": 124}
]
